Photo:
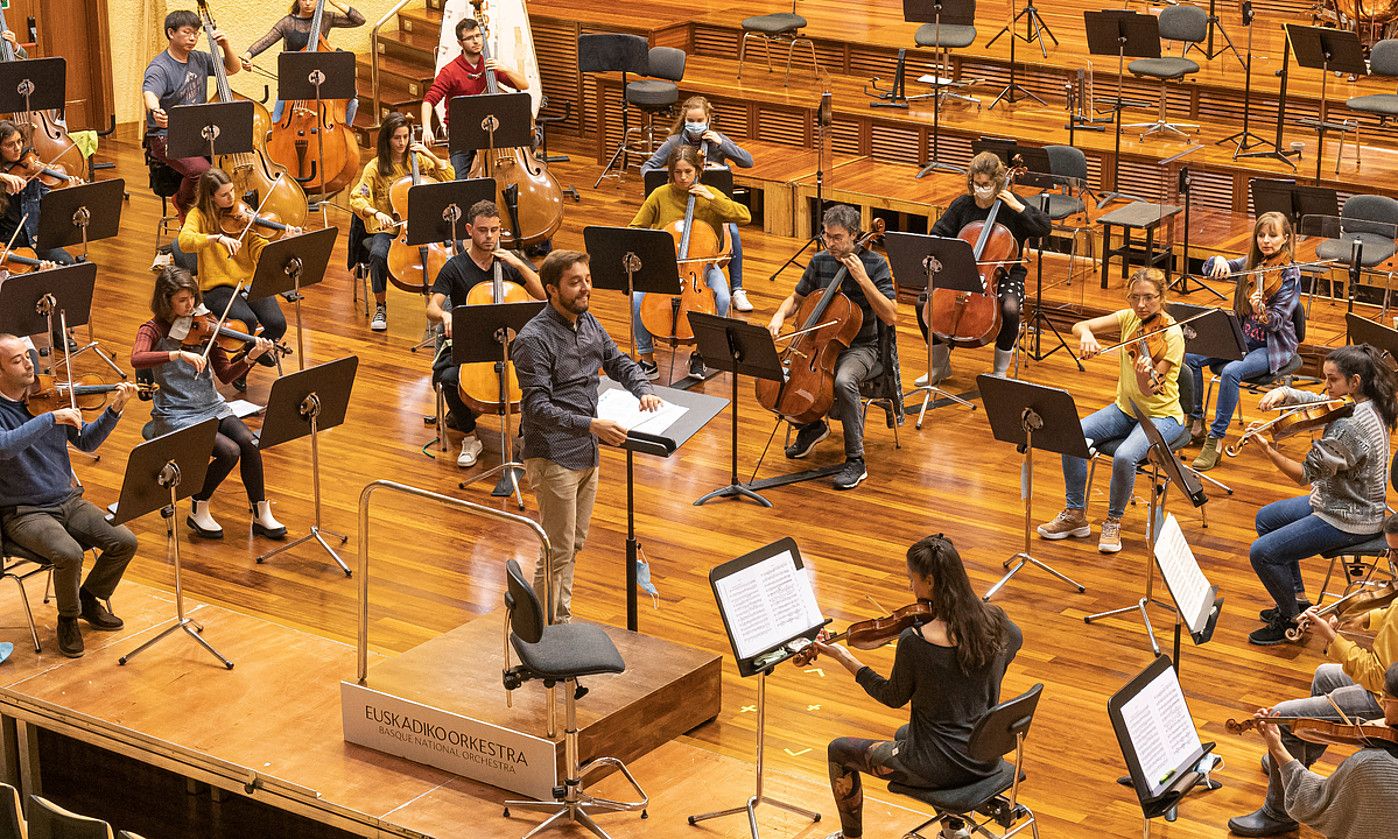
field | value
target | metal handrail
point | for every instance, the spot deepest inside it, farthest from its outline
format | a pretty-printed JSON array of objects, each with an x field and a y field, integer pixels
[
  {"x": 405, "y": 489},
  {"x": 374, "y": 57}
]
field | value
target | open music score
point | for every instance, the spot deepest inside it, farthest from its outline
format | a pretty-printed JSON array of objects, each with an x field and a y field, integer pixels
[
  {"x": 621, "y": 407},
  {"x": 1162, "y": 732},
  {"x": 768, "y": 602}
]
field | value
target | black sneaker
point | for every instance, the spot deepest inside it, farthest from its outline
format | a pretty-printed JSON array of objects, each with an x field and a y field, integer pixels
[
  {"x": 70, "y": 638},
  {"x": 696, "y": 365},
  {"x": 806, "y": 438},
  {"x": 1273, "y": 633},
  {"x": 649, "y": 369},
  {"x": 97, "y": 614},
  {"x": 852, "y": 475},
  {"x": 1269, "y": 615}
]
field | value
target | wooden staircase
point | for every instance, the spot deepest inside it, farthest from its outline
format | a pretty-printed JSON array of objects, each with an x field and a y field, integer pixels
[{"x": 407, "y": 65}]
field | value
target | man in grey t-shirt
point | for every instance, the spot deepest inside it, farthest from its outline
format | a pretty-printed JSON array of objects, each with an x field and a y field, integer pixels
[{"x": 180, "y": 76}]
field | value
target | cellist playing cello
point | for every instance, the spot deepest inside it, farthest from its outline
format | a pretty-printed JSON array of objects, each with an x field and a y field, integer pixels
[{"x": 869, "y": 285}]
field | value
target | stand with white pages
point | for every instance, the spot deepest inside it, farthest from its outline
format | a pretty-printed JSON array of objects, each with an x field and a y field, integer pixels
[{"x": 770, "y": 613}]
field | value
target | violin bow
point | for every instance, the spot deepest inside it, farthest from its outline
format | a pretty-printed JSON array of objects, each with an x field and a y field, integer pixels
[
  {"x": 18, "y": 229},
  {"x": 1154, "y": 332},
  {"x": 1316, "y": 263}
]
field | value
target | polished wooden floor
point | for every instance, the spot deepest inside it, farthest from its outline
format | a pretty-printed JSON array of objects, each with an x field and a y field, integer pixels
[{"x": 433, "y": 568}]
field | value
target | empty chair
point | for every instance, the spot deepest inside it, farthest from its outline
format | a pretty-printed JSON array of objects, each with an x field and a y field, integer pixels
[
  {"x": 1383, "y": 61},
  {"x": 657, "y": 94},
  {"x": 1372, "y": 221},
  {"x": 779, "y": 28},
  {"x": 1066, "y": 208},
  {"x": 11, "y": 814},
  {"x": 1189, "y": 25},
  {"x": 50, "y": 821},
  {"x": 948, "y": 32}
]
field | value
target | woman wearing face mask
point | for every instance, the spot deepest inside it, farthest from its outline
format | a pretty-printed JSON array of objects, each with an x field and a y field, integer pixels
[
  {"x": 987, "y": 182},
  {"x": 692, "y": 128}
]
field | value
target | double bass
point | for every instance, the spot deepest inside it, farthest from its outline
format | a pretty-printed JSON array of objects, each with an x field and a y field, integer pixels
[
  {"x": 48, "y": 131},
  {"x": 406, "y": 261},
  {"x": 525, "y": 188},
  {"x": 483, "y": 383},
  {"x": 253, "y": 172},
  {"x": 830, "y": 322},
  {"x": 697, "y": 246},
  {"x": 312, "y": 139}
]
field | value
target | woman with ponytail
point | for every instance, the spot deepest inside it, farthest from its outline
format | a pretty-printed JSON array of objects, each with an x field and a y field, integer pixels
[{"x": 1347, "y": 471}]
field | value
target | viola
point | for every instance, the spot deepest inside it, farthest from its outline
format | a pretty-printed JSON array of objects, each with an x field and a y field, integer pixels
[
  {"x": 484, "y": 385},
  {"x": 89, "y": 393},
  {"x": 202, "y": 328},
  {"x": 1308, "y": 417},
  {"x": 830, "y": 321},
  {"x": 875, "y": 632},
  {"x": 254, "y": 172},
  {"x": 1327, "y": 732},
  {"x": 1351, "y": 607},
  {"x": 538, "y": 197},
  {"x": 407, "y": 262},
  {"x": 697, "y": 246},
  {"x": 312, "y": 139},
  {"x": 969, "y": 319}
]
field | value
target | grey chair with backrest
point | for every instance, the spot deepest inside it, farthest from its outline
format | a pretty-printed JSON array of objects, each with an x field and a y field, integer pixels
[
  {"x": 1372, "y": 220},
  {"x": 50, "y": 821},
  {"x": 1001, "y": 731},
  {"x": 1187, "y": 25},
  {"x": 12, "y": 824},
  {"x": 778, "y": 28},
  {"x": 19, "y": 565},
  {"x": 561, "y": 654},
  {"x": 949, "y": 32},
  {"x": 1383, "y": 61},
  {"x": 657, "y": 94},
  {"x": 1066, "y": 208}
]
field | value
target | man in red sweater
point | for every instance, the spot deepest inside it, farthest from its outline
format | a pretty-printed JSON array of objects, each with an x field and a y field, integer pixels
[{"x": 465, "y": 76}]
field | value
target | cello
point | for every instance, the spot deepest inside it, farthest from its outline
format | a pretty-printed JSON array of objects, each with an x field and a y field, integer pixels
[
  {"x": 484, "y": 383},
  {"x": 830, "y": 321},
  {"x": 538, "y": 199},
  {"x": 253, "y": 172},
  {"x": 48, "y": 131},
  {"x": 697, "y": 246},
  {"x": 312, "y": 139},
  {"x": 405, "y": 260}
]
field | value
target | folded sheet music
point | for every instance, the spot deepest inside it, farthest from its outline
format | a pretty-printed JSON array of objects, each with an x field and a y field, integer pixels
[{"x": 624, "y": 409}]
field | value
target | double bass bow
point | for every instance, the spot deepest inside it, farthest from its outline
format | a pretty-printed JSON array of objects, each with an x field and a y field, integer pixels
[{"x": 829, "y": 323}]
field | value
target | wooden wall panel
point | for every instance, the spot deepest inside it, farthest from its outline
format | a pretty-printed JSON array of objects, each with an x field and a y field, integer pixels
[
  {"x": 783, "y": 125},
  {"x": 556, "y": 46}
]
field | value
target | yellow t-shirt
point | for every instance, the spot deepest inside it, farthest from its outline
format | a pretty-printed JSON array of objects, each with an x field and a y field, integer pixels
[{"x": 1163, "y": 404}]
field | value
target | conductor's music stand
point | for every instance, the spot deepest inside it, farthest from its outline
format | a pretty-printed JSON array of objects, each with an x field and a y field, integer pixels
[
  {"x": 210, "y": 129},
  {"x": 926, "y": 263},
  {"x": 290, "y": 264},
  {"x": 1031, "y": 416},
  {"x": 1327, "y": 50},
  {"x": 159, "y": 473},
  {"x": 305, "y": 403},
  {"x": 736, "y": 348},
  {"x": 1121, "y": 33},
  {"x": 483, "y": 334},
  {"x": 631, "y": 260},
  {"x": 318, "y": 75}
]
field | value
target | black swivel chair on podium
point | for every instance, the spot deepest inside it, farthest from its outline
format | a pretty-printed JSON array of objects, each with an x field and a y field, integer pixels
[
  {"x": 779, "y": 28},
  {"x": 561, "y": 653},
  {"x": 1002, "y": 730},
  {"x": 1189, "y": 25},
  {"x": 1383, "y": 61}
]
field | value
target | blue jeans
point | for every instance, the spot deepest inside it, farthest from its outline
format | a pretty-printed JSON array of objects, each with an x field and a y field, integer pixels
[
  {"x": 461, "y": 163},
  {"x": 1108, "y": 424},
  {"x": 735, "y": 265},
  {"x": 1250, "y": 366},
  {"x": 1288, "y": 532},
  {"x": 645, "y": 344}
]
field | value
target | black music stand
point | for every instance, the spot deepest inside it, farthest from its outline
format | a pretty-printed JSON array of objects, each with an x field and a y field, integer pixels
[
  {"x": 1245, "y": 138},
  {"x": 737, "y": 348},
  {"x": 305, "y": 403},
  {"x": 1277, "y": 152},
  {"x": 159, "y": 473},
  {"x": 938, "y": 12},
  {"x": 1217, "y": 334},
  {"x": 1031, "y": 416},
  {"x": 35, "y": 84},
  {"x": 81, "y": 214},
  {"x": 210, "y": 129},
  {"x": 816, "y": 237},
  {"x": 489, "y": 121},
  {"x": 699, "y": 410},
  {"x": 1293, "y": 200},
  {"x": 290, "y": 264},
  {"x": 483, "y": 334},
  {"x": 1121, "y": 33},
  {"x": 317, "y": 75},
  {"x": 631, "y": 260},
  {"x": 30, "y": 302},
  {"x": 612, "y": 53},
  {"x": 924, "y": 263},
  {"x": 436, "y": 211},
  {"x": 1036, "y": 29},
  {"x": 1185, "y": 188},
  {"x": 1360, "y": 330},
  {"x": 1327, "y": 50}
]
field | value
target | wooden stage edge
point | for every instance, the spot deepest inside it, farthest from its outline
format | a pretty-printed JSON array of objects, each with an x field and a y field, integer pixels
[{"x": 176, "y": 708}]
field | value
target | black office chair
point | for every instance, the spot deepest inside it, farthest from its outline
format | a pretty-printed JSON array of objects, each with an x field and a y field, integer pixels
[
  {"x": 164, "y": 182},
  {"x": 561, "y": 653},
  {"x": 50, "y": 821},
  {"x": 1002, "y": 730},
  {"x": 885, "y": 387}
]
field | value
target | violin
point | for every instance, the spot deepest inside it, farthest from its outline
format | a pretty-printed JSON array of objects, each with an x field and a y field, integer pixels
[
  {"x": 875, "y": 632},
  {"x": 406, "y": 261},
  {"x": 20, "y": 260},
  {"x": 830, "y": 321},
  {"x": 234, "y": 221},
  {"x": 537, "y": 197},
  {"x": 312, "y": 140},
  {"x": 1148, "y": 342},
  {"x": 201, "y": 328},
  {"x": 484, "y": 386},
  {"x": 1352, "y": 606},
  {"x": 968, "y": 319},
  {"x": 89, "y": 393},
  {"x": 30, "y": 166},
  {"x": 254, "y": 172},
  {"x": 1307, "y": 417},
  {"x": 697, "y": 246},
  {"x": 1326, "y": 732}
]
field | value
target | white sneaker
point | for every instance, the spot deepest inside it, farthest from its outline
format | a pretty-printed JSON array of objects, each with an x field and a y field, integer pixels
[
  {"x": 471, "y": 449},
  {"x": 740, "y": 300},
  {"x": 380, "y": 321},
  {"x": 1110, "y": 540}
]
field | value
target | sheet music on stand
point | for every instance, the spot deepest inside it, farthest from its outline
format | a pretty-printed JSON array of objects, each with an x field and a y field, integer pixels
[
  {"x": 619, "y": 406},
  {"x": 1188, "y": 586},
  {"x": 767, "y": 602}
]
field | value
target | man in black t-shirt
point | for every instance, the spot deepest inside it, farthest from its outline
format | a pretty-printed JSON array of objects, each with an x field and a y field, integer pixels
[
  {"x": 869, "y": 286},
  {"x": 454, "y": 282}
]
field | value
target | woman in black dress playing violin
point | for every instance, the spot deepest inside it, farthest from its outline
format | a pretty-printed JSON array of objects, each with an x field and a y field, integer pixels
[{"x": 949, "y": 668}]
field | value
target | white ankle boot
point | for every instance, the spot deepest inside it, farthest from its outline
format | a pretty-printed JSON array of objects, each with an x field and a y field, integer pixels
[
  {"x": 263, "y": 522},
  {"x": 941, "y": 363},
  {"x": 1002, "y": 361},
  {"x": 203, "y": 523}
]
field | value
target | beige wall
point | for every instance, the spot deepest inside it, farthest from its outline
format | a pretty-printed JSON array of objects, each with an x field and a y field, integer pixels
[{"x": 136, "y": 36}]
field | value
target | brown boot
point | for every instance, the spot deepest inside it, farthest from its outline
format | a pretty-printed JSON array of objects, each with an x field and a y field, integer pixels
[{"x": 1208, "y": 455}]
